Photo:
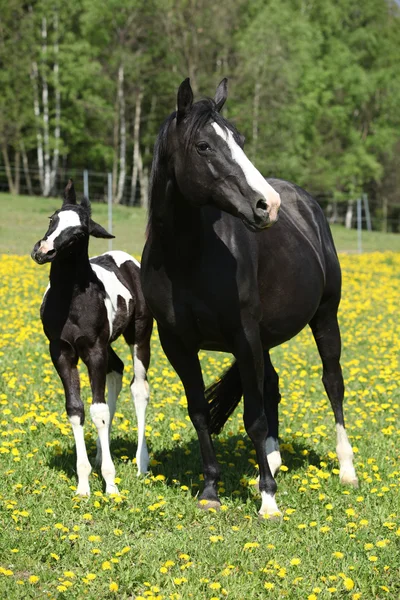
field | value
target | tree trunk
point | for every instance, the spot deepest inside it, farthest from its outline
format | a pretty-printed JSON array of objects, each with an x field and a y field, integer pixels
[
  {"x": 136, "y": 150},
  {"x": 7, "y": 166},
  {"x": 143, "y": 181},
  {"x": 122, "y": 136},
  {"x": 26, "y": 168},
  {"x": 334, "y": 216},
  {"x": 256, "y": 112},
  {"x": 115, "y": 146},
  {"x": 36, "y": 110},
  {"x": 57, "y": 129},
  {"x": 349, "y": 214},
  {"x": 385, "y": 215},
  {"x": 45, "y": 104}
]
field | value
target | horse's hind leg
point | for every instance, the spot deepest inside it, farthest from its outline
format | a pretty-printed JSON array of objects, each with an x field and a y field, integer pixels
[
  {"x": 272, "y": 398},
  {"x": 137, "y": 335},
  {"x": 326, "y": 332},
  {"x": 115, "y": 370}
]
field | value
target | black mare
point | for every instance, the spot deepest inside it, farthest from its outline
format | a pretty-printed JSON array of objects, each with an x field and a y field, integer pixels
[
  {"x": 88, "y": 304},
  {"x": 211, "y": 282}
]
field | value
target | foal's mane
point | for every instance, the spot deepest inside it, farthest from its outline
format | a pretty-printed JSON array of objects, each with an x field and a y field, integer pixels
[{"x": 200, "y": 114}]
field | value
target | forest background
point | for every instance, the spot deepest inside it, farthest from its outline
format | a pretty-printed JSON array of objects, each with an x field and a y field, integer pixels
[{"x": 314, "y": 85}]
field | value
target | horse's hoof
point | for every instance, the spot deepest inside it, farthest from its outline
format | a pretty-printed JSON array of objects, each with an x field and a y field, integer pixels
[
  {"x": 111, "y": 489},
  {"x": 83, "y": 490},
  {"x": 353, "y": 481},
  {"x": 209, "y": 504},
  {"x": 276, "y": 516}
]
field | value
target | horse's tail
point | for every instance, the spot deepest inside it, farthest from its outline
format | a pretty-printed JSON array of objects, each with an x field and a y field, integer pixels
[{"x": 224, "y": 396}]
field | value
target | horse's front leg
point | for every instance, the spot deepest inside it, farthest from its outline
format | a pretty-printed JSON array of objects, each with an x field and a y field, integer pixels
[
  {"x": 249, "y": 354},
  {"x": 187, "y": 365},
  {"x": 65, "y": 361},
  {"x": 96, "y": 362}
]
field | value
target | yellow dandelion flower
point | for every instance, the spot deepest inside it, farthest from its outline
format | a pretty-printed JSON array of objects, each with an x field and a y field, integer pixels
[{"x": 113, "y": 587}]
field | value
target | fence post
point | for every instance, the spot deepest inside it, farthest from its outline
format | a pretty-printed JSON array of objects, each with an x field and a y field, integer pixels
[
  {"x": 367, "y": 213},
  {"x": 86, "y": 183},
  {"x": 110, "y": 203},
  {"x": 359, "y": 225}
]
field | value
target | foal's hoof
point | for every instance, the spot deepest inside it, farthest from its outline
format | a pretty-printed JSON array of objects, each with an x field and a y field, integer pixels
[
  {"x": 207, "y": 504},
  {"x": 111, "y": 489},
  {"x": 83, "y": 490}
]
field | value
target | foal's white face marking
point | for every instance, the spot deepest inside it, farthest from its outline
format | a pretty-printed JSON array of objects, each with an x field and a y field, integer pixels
[
  {"x": 113, "y": 288},
  {"x": 67, "y": 218},
  {"x": 253, "y": 176}
]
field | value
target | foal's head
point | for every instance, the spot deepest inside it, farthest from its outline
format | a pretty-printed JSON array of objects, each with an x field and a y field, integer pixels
[
  {"x": 206, "y": 157},
  {"x": 69, "y": 229}
]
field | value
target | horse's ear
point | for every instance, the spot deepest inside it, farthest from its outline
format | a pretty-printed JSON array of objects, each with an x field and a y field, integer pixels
[
  {"x": 185, "y": 99},
  {"x": 85, "y": 203},
  {"x": 221, "y": 94},
  {"x": 98, "y": 231},
  {"x": 69, "y": 193}
]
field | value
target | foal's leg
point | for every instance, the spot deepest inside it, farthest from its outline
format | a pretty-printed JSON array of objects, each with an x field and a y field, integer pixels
[
  {"x": 249, "y": 354},
  {"x": 65, "y": 362},
  {"x": 326, "y": 332},
  {"x": 115, "y": 370},
  {"x": 272, "y": 398},
  {"x": 138, "y": 335},
  {"x": 187, "y": 365},
  {"x": 96, "y": 361}
]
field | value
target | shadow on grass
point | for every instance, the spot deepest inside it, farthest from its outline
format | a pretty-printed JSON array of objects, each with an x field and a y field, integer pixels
[{"x": 181, "y": 465}]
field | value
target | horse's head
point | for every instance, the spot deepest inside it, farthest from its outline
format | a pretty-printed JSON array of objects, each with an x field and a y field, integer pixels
[
  {"x": 69, "y": 229},
  {"x": 210, "y": 166}
]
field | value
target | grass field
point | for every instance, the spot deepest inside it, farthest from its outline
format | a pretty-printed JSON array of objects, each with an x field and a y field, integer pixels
[
  {"x": 151, "y": 541},
  {"x": 23, "y": 220}
]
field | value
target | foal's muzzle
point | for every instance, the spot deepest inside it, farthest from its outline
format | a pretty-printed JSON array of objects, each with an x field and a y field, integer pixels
[{"x": 41, "y": 255}]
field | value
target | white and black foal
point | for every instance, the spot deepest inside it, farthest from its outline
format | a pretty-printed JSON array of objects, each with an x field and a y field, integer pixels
[{"x": 88, "y": 304}]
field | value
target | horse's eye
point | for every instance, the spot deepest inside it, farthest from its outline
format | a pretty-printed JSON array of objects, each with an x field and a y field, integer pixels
[{"x": 203, "y": 147}]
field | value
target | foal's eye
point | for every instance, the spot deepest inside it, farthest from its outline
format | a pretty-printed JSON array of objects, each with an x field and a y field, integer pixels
[{"x": 203, "y": 146}]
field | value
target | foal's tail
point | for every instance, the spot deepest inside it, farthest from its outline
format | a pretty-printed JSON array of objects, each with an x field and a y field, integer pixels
[{"x": 224, "y": 396}]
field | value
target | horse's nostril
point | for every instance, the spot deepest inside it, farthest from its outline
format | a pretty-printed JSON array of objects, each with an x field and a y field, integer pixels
[
  {"x": 51, "y": 252},
  {"x": 262, "y": 205}
]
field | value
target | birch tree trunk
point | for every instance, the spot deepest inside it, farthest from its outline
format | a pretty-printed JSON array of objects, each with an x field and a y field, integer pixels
[
  {"x": 36, "y": 110},
  {"x": 349, "y": 215},
  {"x": 143, "y": 181},
  {"x": 26, "y": 168},
  {"x": 115, "y": 146},
  {"x": 57, "y": 130},
  {"x": 17, "y": 171},
  {"x": 7, "y": 166},
  {"x": 256, "y": 113},
  {"x": 45, "y": 104},
  {"x": 122, "y": 136},
  {"x": 136, "y": 150}
]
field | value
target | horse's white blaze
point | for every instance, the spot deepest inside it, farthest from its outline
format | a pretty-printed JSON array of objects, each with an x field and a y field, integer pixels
[
  {"x": 273, "y": 454},
  {"x": 114, "y": 385},
  {"x": 253, "y": 176},
  {"x": 345, "y": 455},
  {"x": 66, "y": 218},
  {"x": 100, "y": 414},
  {"x": 113, "y": 288},
  {"x": 121, "y": 257},
  {"x": 140, "y": 395},
  {"x": 269, "y": 505},
  {"x": 83, "y": 467}
]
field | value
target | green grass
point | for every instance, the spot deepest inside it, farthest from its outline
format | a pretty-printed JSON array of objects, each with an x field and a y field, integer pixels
[
  {"x": 23, "y": 220},
  {"x": 152, "y": 541}
]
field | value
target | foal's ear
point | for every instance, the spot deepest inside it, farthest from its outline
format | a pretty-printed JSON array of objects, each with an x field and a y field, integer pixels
[
  {"x": 185, "y": 100},
  {"x": 69, "y": 193},
  {"x": 98, "y": 231},
  {"x": 221, "y": 94}
]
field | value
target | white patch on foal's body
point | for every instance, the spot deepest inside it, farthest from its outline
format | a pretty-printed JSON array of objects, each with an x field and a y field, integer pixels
[
  {"x": 120, "y": 257},
  {"x": 140, "y": 395},
  {"x": 114, "y": 385},
  {"x": 253, "y": 176},
  {"x": 113, "y": 288},
  {"x": 100, "y": 414},
  {"x": 83, "y": 467},
  {"x": 66, "y": 218},
  {"x": 345, "y": 455}
]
